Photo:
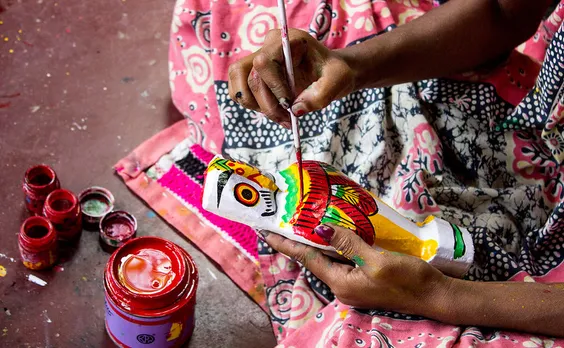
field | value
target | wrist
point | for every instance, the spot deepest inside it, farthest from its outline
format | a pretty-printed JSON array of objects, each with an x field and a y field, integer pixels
[
  {"x": 372, "y": 61},
  {"x": 359, "y": 65},
  {"x": 439, "y": 300}
]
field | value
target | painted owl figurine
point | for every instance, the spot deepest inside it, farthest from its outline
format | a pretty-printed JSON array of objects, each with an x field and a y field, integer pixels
[{"x": 242, "y": 193}]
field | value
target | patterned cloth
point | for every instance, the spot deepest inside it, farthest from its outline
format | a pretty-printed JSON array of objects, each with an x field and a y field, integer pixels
[{"x": 482, "y": 150}]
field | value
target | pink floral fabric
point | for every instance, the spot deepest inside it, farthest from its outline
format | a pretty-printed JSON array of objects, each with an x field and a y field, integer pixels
[{"x": 482, "y": 150}]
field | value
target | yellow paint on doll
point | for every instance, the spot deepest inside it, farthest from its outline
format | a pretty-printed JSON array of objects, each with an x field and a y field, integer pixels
[
  {"x": 392, "y": 237},
  {"x": 427, "y": 220},
  {"x": 243, "y": 170},
  {"x": 2, "y": 271}
]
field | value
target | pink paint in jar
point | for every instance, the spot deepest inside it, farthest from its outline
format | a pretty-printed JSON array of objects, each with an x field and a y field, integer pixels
[
  {"x": 150, "y": 293},
  {"x": 37, "y": 242},
  {"x": 62, "y": 209},
  {"x": 117, "y": 227},
  {"x": 39, "y": 182}
]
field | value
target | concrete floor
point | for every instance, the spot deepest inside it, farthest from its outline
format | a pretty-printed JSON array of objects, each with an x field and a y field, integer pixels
[{"x": 81, "y": 84}]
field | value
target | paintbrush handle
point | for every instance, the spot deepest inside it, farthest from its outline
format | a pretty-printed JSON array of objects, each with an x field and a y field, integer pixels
[
  {"x": 286, "y": 46},
  {"x": 289, "y": 71}
]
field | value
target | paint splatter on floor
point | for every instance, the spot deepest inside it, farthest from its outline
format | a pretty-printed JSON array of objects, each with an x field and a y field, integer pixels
[
  {"x": 4, "y": 256},
  {"x": 151, "y": 214},
  {"x": 213, "y": 275},
  {"x": 47, "y": 319},
  {"x": 36, "y": 280}
]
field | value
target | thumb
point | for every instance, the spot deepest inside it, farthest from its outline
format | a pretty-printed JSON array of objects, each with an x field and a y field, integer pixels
[
  {"x": 346, "y": 243},
  {"x": 336, "y": 81}
]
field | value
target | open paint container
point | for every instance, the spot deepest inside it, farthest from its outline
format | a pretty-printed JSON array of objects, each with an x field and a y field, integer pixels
[
  {"x": 117, "y": 227},
  {"x": 95, "y": 202},
  {"x": 150, "y": 292}
]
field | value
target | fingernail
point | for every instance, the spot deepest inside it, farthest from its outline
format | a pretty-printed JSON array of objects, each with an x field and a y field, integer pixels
[
  {"x": 286, "y": 124},
  {"x": 238, "y": 95},
  {"x": 264, "y": 234},
  {"x": 284, "y": 103},
  {"x": 298, "y": 109},
  {"x": 260, "y": 235},
  {"x": 325, "y": 232}
]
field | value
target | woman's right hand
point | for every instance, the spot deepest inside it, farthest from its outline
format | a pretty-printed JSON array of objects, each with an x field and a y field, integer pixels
[{"x": 259, "y": 81}]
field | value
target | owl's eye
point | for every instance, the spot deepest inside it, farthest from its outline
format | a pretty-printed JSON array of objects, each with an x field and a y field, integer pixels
[{"x": 246, "y": 194}]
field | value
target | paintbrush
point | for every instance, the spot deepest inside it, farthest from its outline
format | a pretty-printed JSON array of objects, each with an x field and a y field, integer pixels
[{"x": 291, "y": 81}]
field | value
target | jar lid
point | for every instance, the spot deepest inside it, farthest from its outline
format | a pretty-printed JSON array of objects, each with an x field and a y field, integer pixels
[
  {"x": 117, "y": 227},
  {"x": 150, "y": 274},
  {"x": 96, "y": 202}
]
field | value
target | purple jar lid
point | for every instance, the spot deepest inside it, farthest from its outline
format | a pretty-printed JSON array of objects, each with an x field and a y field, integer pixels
[{"x": 117, "y": 227}]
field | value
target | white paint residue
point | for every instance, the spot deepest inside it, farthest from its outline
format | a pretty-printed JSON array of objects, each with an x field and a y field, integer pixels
[
  {"x": 47, "y": 320},
  {"x": 34, "y": 108},
  {"x": 36, "y": 280},
  {"x": 8, "y": 313},
  {"x": 4, "y": 256},
  {"x": 213, "y": 275}
]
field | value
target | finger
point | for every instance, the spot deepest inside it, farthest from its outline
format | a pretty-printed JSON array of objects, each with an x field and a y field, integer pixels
[
  {"x": 266, "y": 100},
  {"x": 271, "y": 67},
  {"x": 239, "y": 90},
  {"x": 348, "y": 244},
  {"x": 335, "y": 82},
  {"x": 311, "y": 258}
]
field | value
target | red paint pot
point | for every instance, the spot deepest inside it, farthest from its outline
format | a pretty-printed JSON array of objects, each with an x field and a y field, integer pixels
[
  {"x": 150, "y": 291},
  {"x": 62, "y": 209},
  {"x": 38, "y": 243},
  {"x": 39, "y": 181},
  {"x": 117, "y": 227}
]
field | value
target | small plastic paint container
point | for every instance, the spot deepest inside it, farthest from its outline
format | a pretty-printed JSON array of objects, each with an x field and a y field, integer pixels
[
  {"x": 62, "y": 209},
  {"x": 117, "y": 227},
  {"x": 150, "y": 292},
  {"x": 38, "y": 182},
  {"x": 37, "y": 243},
  {"x": 95, "y": 202}
]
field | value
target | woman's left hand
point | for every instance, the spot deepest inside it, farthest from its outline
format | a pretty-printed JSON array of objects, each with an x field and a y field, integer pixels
[{"x": 382, "y": 280}]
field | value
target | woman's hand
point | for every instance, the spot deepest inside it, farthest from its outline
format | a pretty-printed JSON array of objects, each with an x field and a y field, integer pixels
[
  {"x": 385, "y": 280},
  {"x": 382, "y": 280},
  {"x": 259, "y": 81}
]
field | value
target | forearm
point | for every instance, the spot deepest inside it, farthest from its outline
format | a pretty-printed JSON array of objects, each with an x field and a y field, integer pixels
[
  {"x": 529, "y": 307},
  {"x": 455, "y": 37}
]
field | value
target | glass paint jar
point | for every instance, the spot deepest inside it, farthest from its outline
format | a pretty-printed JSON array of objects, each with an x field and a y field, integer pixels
[
  {"x": 37, "y": 242},
  {"x": 62, "y": 209},
  {"x": 38, "y": 182},
  {"x": 150, "y": 293}
]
